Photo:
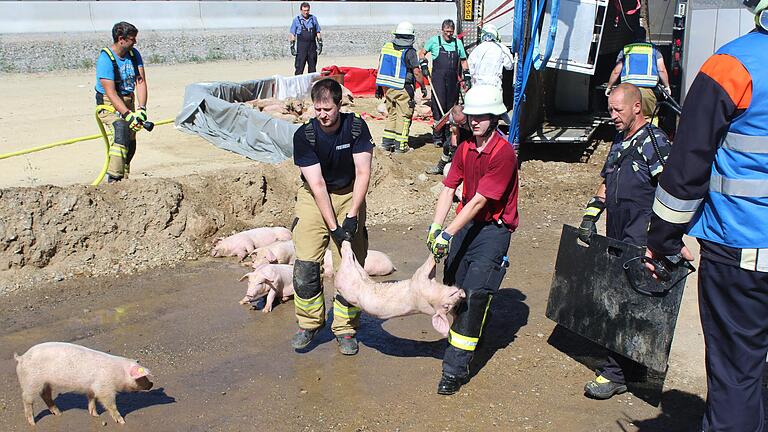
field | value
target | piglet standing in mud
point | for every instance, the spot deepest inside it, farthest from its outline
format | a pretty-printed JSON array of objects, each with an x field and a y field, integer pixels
[
  {"x": 282, "y": 252},
  {"x": 272, "y": 280},
  {"x": 73, "y": 368},
  {"x": 419, "y": 294},
  {"x": 243, "y": 243}
]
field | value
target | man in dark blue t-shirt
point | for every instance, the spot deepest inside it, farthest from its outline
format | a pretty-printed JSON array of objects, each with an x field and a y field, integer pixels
[{"x": 334, "y": 153}]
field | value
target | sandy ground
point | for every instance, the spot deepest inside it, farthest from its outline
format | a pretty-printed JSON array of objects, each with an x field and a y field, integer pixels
[
  {"x": 52, "y": 107},
  {"x": 220, "y": 366}
]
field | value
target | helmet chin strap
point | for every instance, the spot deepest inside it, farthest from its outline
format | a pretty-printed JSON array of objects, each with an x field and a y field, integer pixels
[{"x": 491, "y": 127}]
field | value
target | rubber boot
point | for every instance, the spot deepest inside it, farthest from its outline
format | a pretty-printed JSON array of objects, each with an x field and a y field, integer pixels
[{"x": 438, "y": 168}]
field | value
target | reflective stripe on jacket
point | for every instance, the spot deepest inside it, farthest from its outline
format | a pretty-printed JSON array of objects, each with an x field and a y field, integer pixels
[
  {"x": 392, "y": 67},
  {"x": 640, "y": 66},
  {"x": 735, "y": 209}
]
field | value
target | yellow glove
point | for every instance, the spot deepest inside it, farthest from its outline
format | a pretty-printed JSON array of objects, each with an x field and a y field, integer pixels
[
  {"x": 432, "y": 233},
  {"x": 440, "y": 248}
]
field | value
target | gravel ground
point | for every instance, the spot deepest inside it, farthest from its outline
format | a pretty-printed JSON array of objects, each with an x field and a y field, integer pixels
[{"x": 46, "y": 52}]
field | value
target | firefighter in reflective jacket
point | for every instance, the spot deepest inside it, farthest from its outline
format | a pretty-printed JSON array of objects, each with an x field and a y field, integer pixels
[
  {"x": 398, "y": 69},
  {"x": 715, "y": 187},
  {"x": 121, "y": 84},
  {"x": 631, "y": 172},
  {"x": 477, "y": 240},
  {"x": 641, "y": 64}
]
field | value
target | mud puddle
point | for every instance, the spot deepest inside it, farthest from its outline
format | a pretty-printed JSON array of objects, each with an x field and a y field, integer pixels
[{"x": 222, "y": 366}]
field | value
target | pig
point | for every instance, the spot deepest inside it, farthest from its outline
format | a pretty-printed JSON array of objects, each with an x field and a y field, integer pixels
[
  {"x": 281, "y": 252},
  {"x": 243, "y": 243},
  {"x": 272, "y": 280},
  {"x": 376, "y": 264},
  {"x": 74, "y": 368},
  {"x": 419, "y": 294}
]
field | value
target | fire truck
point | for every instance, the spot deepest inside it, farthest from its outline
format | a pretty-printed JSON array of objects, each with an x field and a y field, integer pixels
[{"x": 565, "y": 102}]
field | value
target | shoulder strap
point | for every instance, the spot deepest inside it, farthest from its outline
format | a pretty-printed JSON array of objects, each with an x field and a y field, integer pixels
[
  {"x": 655, "y": 143},
  {"x": 357, "y": 126},
  {"x": 309, "y": 133},
  {"x": 134, "y": 60},
  {"x": 118, "y": 79}
]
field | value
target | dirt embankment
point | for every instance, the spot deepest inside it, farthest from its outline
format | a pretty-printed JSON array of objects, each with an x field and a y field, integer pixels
[{"x": 53, "y": 233}]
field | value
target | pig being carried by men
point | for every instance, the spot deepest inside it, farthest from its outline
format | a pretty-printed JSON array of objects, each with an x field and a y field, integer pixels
[{"x": 419, "y": 294}]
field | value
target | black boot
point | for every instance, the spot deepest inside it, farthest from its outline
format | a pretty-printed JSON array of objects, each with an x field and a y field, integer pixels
[
  {"x": 438, "y": 168},
  {"x": 387, "y": 144},
  {"x": 450, "y": 384}
]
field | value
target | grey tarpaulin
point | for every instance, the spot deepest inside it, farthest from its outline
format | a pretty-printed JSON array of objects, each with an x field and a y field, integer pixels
[{"x": 213, "y": 111}]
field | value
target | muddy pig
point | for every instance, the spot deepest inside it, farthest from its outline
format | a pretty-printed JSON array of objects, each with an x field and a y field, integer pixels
[
  {"x": 73, "y": 368},
  {"x": 272, "y": 280},
  {"x": 419, "y": 294},
  {"x": 376, "y": 264},
  {"x": 281, "y": 252},
  {"x": 243, "y": 243}
]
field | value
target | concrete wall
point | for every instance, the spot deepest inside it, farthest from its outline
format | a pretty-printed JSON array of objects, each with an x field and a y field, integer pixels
[{"x": 82, "y": 16}]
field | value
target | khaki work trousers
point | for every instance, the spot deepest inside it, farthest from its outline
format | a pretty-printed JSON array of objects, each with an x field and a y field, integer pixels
[
  {"x": 311, "y": 238},
  {"x": 399, "y": 114},
  {"x": 648, "y": 103},
  {"x": 120, "y": 152}
]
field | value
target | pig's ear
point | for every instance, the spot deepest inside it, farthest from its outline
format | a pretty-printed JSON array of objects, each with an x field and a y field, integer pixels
[
  {"x": 269, "y": 274},
  {"x": 138, "y": 371},
  {"x": 270, "y": 256},
  {"x": 244, "y": 277}
]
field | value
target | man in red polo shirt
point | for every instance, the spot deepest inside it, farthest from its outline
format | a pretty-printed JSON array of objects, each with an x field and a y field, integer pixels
[{"x": 477, "y": 239}]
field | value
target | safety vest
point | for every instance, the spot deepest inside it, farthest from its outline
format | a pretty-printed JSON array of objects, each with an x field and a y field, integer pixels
[
  {"x": 118, "y": 78},
  {"x": 735, "y": 209},
  {"x": 640, "y": 65},
  {"x": 392, "y": 68}
]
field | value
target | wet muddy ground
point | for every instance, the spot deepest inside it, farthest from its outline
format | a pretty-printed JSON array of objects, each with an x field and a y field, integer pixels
[{"x": 220, "y": 366}]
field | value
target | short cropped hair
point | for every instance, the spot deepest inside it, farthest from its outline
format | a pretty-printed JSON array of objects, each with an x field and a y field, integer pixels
[
  {"x": 124, "y": 30},
  {"x": 304, "y": 5},
  {"x": 327, "y": 88},
  {"x": 630, "y": 93},
  {"x": 449, "y": 24}
]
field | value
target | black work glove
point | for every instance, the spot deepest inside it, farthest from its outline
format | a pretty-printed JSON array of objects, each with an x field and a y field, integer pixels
[
  {"x": 424, "y": 65},
  {"x": 293, "y": 48},
  {"x": 467, "y": 79},
  {"x": 379, "y": 92},
  {"x": 339, "y": 235},
  {"x": 319, "y": 46},
  {"x": 424, "y": 93},
  {"x": 350, "y": 226},
  {"x": 588, "y": 226}
]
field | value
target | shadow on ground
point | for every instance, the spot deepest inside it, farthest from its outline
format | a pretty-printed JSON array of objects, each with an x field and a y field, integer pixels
[
  {"x": 126, "y": 402},
  {"x": 680, "y": 412},
  {"x": 642, "y": 382},
  {"x": 507, "y": 314}
]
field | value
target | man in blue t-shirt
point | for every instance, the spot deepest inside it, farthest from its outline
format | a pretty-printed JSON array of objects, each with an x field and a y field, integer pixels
[
  {"x": 306, "y": 42},
  {"x": 120, "y": 77},
  {"x": 334, "y": 153}
]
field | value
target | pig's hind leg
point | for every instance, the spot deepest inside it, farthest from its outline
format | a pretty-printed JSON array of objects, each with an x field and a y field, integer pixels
[
  {"x": 29, "y": 406},
  {"x": 47, "y": 396}
]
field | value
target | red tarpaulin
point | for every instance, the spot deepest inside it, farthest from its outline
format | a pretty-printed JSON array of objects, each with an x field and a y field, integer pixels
[{"x": 361, "y": 82}]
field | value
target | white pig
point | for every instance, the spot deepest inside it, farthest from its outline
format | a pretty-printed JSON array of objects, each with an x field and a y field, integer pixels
[
  {"x": 243, "y": 243},
  {"x": 419, "y": 294},
  {"x": 73, "y": 368},
  {"x": 272, "y": 280},
  {"x": 376, "y": 264},
  {"x": 282, "y": 252}
]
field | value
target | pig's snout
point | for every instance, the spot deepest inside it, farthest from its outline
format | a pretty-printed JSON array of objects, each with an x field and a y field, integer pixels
[{"x": 144, "y": 383}]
